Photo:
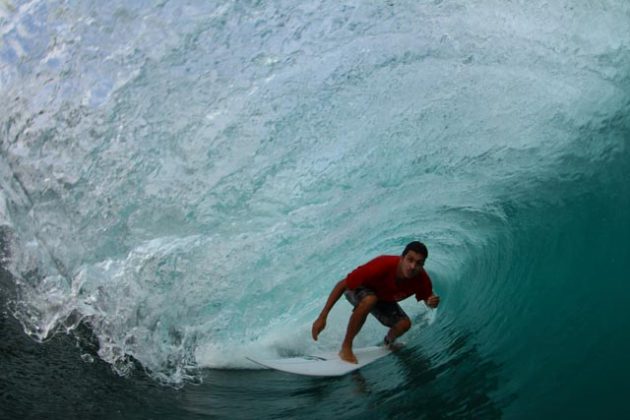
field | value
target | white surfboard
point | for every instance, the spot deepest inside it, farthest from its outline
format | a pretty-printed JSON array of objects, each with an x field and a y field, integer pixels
[{"x": 324, "y": 364}]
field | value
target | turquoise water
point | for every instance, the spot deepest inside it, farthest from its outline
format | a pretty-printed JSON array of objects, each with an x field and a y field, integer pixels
[{"x": 181, "y": 185}]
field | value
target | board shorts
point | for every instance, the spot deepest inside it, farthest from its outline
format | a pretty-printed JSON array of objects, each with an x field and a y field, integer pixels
[{"x": 388, "y": 313}]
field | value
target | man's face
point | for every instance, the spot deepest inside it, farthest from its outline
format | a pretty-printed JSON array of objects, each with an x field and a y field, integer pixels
[{"x": 411, "y": 264}]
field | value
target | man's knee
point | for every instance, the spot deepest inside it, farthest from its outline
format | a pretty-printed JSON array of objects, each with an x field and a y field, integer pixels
[{"x": 403, "y": 325}]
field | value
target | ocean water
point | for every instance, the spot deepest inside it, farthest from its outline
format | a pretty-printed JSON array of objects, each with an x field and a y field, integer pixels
[{"x": 182, "y": 184}]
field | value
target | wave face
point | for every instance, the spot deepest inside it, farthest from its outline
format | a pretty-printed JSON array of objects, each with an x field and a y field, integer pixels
[{"x": 191, "y": 180}]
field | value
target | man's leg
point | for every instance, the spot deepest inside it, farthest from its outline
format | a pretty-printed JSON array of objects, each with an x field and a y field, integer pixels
[
  {"x": 401, "y": 327},
  {"x": 392, "y": 315},
  {"x": 357, "y": 319}
]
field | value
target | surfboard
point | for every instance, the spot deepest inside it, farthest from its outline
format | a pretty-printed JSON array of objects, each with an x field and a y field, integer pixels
[{"x": 325, "y": 363}]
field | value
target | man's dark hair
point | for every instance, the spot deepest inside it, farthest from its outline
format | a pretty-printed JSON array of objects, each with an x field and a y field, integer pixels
[{"x": 418, "y": 247}]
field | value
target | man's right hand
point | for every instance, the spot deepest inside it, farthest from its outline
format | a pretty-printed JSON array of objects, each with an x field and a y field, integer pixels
[{"x": 318, "y": 326}]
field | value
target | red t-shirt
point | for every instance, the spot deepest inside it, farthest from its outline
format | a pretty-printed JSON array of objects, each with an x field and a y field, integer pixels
[{"x": 379, "y": 275}]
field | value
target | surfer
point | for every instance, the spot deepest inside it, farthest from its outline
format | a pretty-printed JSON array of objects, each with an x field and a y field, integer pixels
[{"x": 375, "y": 288}]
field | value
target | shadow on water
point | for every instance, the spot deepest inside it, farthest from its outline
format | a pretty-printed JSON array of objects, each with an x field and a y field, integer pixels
[{"x": 463, "y": 384}]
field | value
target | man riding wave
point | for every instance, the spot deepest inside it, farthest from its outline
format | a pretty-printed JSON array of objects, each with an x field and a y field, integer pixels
[{"x": 375, "y": 288}]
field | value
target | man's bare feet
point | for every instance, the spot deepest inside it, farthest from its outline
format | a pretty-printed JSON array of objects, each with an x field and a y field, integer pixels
[{"x": 347, "y": 355}]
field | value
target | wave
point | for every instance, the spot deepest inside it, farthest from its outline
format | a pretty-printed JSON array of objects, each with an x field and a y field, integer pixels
[{"x": 191, "y": 181}]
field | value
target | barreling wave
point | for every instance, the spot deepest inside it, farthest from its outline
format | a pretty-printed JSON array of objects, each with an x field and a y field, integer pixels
[{"x": 191, "y": 181}]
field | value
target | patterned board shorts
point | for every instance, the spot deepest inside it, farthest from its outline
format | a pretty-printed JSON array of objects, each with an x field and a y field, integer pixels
[{"x": 388, "y": 313}]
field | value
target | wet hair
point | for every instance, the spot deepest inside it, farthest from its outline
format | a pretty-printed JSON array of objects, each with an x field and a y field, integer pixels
[{"x": 418, "y": 247}]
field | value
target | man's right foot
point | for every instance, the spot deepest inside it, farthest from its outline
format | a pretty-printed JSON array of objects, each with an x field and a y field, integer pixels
[{"x": 348, "y": 356}]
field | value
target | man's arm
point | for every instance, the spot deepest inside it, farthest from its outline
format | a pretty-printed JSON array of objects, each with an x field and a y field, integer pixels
[
  {"x": 335, "y": 294},
  {"x": 432, "y": 300}
]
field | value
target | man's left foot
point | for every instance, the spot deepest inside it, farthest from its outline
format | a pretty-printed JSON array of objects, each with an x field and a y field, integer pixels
[{"x": 391, "y": 344}]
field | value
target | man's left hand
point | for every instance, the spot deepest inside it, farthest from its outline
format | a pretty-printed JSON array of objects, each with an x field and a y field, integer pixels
[{"x": 433, "y": 301}]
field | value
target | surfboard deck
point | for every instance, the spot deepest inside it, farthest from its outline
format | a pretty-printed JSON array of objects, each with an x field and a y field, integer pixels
[{"x": 325, "y": 363}]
